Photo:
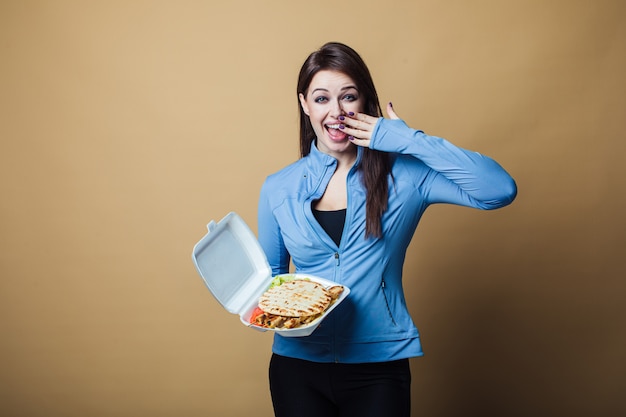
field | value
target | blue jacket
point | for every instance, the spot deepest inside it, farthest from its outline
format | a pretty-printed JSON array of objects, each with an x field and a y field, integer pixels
[{"x": 372, "y": 324}]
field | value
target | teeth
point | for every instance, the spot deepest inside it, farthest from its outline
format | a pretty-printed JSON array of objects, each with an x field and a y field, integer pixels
[{"x": 334, "y": 126}]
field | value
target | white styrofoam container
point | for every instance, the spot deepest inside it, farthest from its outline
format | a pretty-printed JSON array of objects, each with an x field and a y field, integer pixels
[{"x": 234, "y": 268}]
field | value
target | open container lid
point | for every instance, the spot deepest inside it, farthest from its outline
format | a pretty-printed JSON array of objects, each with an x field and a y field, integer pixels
[{"x": 232, "y": 264}]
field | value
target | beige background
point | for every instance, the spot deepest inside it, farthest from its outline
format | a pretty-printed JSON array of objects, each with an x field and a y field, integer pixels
[{"x": 126, "y": 126}]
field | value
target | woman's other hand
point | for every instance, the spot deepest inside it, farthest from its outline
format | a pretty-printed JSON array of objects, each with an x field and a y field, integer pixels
[{"x": 359, "y": 126}]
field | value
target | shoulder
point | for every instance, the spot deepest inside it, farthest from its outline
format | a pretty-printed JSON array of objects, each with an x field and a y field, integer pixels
[
  {"x": 284, "y": 181},
  {"x": 288, "y": 172}
]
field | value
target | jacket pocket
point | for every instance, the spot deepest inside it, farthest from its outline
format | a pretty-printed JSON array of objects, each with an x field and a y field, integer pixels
[{"x": 387, "y": 305}]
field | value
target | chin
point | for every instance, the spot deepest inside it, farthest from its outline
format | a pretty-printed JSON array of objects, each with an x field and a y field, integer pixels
[{"x": 338, "y": 147}]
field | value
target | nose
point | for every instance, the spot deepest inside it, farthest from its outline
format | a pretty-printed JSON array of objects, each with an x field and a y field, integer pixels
[{"x": 337, "y": 109}]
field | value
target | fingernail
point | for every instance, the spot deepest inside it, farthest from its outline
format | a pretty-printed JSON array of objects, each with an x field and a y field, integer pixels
[
  {"x": 341, "y": 126},
  {"x": 351, "y": 113},
  {"x": 342, "y": 118},
  {"x": 390, "y": 104},
  {"x": 350, "y": 137}
]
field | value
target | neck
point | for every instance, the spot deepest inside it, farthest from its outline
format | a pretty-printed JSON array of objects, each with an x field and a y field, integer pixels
[{"x": 345, "y": 159}]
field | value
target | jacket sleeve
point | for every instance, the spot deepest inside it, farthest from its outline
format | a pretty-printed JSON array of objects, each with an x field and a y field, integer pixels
[
  {"x": 460, "y": 176},
  {"x": 269, "y": 235}
]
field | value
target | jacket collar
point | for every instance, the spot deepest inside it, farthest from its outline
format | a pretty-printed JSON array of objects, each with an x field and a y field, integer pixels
[{"x": 317, "y": 159}]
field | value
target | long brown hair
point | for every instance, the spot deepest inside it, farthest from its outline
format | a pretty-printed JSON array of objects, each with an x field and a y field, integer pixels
[{"x": 375, "y": 166}]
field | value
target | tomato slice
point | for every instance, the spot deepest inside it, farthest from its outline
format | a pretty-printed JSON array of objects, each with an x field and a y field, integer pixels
[{"x": 255, "y": 313}]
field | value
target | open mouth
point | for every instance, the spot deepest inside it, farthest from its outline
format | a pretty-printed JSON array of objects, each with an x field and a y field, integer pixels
[{"x": 334, "y": 132}]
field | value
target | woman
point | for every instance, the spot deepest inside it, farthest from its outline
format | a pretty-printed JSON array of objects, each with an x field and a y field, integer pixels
[{"x": 346, "y": 211}]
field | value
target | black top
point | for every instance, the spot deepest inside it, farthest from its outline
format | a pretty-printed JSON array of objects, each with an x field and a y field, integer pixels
[{"x": 332, "y": 222}]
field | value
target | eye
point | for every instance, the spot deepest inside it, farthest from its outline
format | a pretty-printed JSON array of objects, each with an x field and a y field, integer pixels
[
  {"x": 350, "y": 97},
  {"x": 321, "y": 99}
]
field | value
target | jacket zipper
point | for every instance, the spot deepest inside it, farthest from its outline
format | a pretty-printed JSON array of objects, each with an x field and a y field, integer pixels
[
  {"x": 335, "y": 252},
  {"x": 308, "y": 200},
  {"x": 382, "y": 286},
  {"x": 334, "y": 341}
]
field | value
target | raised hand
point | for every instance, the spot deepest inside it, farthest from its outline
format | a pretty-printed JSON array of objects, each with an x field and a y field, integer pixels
[{"x": 359, "y": 126}]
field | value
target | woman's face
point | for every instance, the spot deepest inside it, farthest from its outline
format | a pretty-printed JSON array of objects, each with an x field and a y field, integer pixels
[{"x": 331, "y": 94}]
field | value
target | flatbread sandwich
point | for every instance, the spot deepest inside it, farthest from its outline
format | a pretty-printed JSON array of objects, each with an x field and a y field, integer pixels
[{"x": 293, "y": 303}]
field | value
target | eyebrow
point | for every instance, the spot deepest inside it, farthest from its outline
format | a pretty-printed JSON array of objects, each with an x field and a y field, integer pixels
[{"x": 342, "y": 89}]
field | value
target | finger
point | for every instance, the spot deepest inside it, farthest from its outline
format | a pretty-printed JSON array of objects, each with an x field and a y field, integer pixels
[
  {"x": 366, "y": 118},
  {"x": 357, "y": 133},
  {"x": 359, "y": 118},
  {"x": 360, "y": 142},
  {"x": 391, "y": 112},
  {"x": 361, "y": 123}
]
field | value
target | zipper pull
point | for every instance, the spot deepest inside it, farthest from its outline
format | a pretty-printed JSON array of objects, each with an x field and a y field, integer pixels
[{"x": 336, "y": 258}]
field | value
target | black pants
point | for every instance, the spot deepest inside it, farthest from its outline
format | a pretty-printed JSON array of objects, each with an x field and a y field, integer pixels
[{"x": 301, "y": 388}]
